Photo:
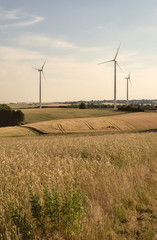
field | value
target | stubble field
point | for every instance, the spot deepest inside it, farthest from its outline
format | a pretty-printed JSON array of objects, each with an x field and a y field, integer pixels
[{"x": 116, "y": 173}]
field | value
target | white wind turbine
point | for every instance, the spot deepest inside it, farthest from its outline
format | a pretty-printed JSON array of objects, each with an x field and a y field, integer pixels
[
  {"x": 40, "y": 70},
  {"x": 115, "y": 65},
  {"x": 127, "y": 90}
]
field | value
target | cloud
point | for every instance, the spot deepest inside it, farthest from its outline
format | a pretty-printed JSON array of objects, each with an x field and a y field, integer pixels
[
  {"x": 9, "y": 15},
  {"x": 34, "y": 20},
  {"x": 17, "y": 18},
  {"x": 67, "y": 79},
  {"x": 45, "y": 43},
  {"x": 42, "y": 41},
  {"x": 9, "y": 54}
]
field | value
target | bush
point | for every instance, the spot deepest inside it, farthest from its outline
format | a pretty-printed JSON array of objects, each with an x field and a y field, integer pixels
[
  {"x": 82, "y": 106},
  {"x": 9, "y": 117},
  {"x": 131, "y": 108}
]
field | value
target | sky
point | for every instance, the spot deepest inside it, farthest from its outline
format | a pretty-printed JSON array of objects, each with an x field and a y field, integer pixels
[{"x": 73, "y": 37}]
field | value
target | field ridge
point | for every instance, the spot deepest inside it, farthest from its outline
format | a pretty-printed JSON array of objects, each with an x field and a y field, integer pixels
[{"x": 119, "y": 123}]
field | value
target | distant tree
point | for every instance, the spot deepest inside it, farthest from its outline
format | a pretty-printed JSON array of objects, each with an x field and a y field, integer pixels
[
  {"x": 17, "y": 116},
  {"x": 5, "y": 107},
  {"x": 82, "y": 105},
  {"x": 131, "y": 108},
  {"x": 10, "y": 117}
]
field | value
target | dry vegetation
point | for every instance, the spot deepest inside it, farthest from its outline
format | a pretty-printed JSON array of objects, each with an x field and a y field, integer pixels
[
  {"x": 46, "y": 114},
  {"x": 118, "y": 174},
  {"x": 15, "y": 132},
  {"x": 118, "y": 123},
  {"x": 131, "y": 122}
]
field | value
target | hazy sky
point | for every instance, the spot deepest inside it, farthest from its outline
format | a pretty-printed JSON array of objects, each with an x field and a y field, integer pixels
[{"x": 73, "y": 36}]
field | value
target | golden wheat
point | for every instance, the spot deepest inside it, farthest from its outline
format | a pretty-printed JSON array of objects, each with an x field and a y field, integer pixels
[
  {"x": 118, "y": 123},
  {"x": 112, "y": 170}
]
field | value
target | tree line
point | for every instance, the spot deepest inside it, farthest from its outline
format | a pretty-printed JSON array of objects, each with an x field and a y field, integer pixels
[{"x": 10, "y": 117}]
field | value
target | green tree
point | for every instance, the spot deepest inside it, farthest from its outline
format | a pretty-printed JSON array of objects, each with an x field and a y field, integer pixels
[
  {"x": 82, "y": 106},
  {"x": 10, "y": 117}
]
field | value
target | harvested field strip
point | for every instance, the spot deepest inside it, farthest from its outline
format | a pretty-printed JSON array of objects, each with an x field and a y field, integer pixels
[
  {"x": 120, "y": 123},
  {"x": 15, "y": 132},
  {"x": 127, "y": 122}
]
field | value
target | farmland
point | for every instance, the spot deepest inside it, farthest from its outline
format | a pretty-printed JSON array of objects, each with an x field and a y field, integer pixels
[
  {"x": 117, "y": 173},
  {"x": 82, "y": 177},
  {"x": 76, "y": 121},
  {"x": 114, "y": 123},
  {"x": 47, "y": 114}
]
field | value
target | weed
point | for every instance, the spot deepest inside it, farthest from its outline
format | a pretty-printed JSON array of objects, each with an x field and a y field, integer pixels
[
  {"x": 61, "y": 212},
  {"x": 73, "y": 208},
  {"x": 19, "y": 220},
  {"x": 52, "y": 207}
]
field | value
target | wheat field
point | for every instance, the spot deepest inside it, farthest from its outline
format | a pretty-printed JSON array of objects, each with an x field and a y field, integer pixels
[
  {"x": 118, "y": 123},
  {"x": 15, "y": 132},
  {"x": 131, "y": 122},
  {"x": 117, "y": 173}
]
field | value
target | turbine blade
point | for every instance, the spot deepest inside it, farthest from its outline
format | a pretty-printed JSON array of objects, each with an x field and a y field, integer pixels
[
  {"x": 129, "y": 75},
  {"x": 130, "y": 82},
  {"x": 36, "y": 69},
  {"x": 43, "y": 75},
  {"x": 43, "y": 65},
  {"x": 129, "y": 79},
  {"x": 106, "y": 62},
  {"x": 117, "y": 52},
  {"x": 120, "y": 67}
]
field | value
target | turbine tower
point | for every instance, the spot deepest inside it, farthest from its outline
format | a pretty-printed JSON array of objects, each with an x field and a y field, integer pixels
[
  {"x": 115, "y": 65},
  {"x": 127, "y": 90},
  {"x": 40, "y": 70}
]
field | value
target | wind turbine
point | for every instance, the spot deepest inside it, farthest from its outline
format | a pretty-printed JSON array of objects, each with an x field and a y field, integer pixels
[
  {"x": 127, "y": 91},
  {"x": 40, "y": 70},
  {"x": 115, "y": 65}
]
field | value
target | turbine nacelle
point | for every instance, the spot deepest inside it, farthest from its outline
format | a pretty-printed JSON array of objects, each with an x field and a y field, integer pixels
[
  {"x": 37, "y": 69},
  {"x": 41, "y": 70},
  {"x": 128, "y": 78},
  {"x": 113, "y": 60}
]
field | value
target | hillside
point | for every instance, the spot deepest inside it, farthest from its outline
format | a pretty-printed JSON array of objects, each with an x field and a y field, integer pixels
[
  {"x": 15, "y": 132},
  {"x": 46, "y": 114},
  {"x": 118, "y": 123},
  {"x": 130, "y": 122}
]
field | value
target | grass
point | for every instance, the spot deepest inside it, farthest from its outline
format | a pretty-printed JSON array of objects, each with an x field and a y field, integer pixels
[
  {"x": 117, "y": 174},
  {"x": 46, "y": 114}
]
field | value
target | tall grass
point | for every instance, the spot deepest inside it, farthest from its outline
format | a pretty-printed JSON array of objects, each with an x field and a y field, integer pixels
[{"x": 117, "y": 174}]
